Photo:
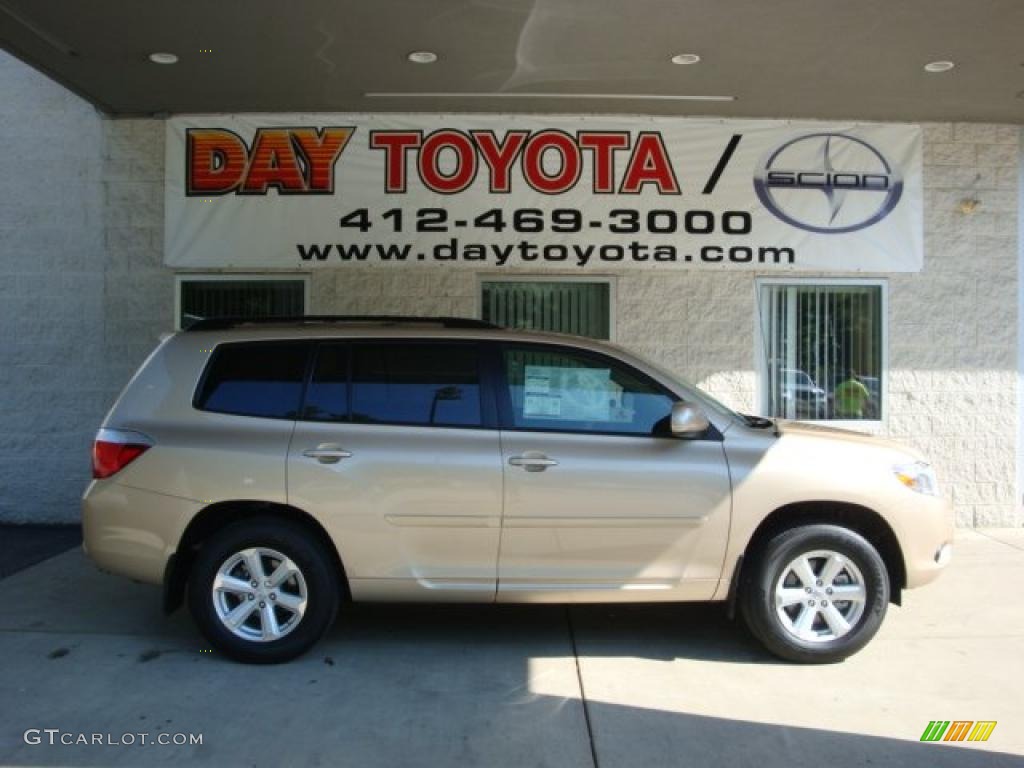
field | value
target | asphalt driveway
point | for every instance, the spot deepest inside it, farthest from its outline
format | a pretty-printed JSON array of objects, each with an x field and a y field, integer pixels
[{"x": 84, "y": 653}]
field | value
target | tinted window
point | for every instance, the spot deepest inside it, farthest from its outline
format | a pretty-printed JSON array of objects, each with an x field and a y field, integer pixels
[
  {"x": 327, "y": 396},
  {"x": 255, "y": 380},
  {"x": 582, "y": 393},
  {"x": 405, "y": 383}
]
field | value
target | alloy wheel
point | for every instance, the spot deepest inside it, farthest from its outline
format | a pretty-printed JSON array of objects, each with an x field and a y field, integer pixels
[
  {"x": 259, "y": 594},
  {"x": 820, "y": 596}
]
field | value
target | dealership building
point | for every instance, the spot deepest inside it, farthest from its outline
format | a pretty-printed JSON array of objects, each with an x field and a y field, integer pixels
[{"x": 778, "y": 261}]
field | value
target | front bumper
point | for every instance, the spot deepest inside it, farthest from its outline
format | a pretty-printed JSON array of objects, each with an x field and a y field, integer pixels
[
  {"x": 926, "y": 537},
  {"x": 132, "y": 532}
]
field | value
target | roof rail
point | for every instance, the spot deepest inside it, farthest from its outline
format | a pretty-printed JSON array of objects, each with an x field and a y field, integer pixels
[{"x": 223, "y": 323}]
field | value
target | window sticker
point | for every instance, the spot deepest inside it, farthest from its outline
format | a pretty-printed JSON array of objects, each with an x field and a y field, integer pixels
[
  {"x": 537, "y": 383},
  {"x": 542, "y": 407},
  {"x": 572, "y": 394}
]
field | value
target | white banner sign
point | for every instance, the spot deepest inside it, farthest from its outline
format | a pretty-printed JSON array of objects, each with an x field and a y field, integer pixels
[{"x": 580, "y": 193}]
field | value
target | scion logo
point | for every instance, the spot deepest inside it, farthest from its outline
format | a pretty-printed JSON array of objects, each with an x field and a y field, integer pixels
[{"x": 828, "y": 183}]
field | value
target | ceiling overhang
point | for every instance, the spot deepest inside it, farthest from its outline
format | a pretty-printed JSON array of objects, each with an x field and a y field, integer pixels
[{"x": 785, "y": 58}]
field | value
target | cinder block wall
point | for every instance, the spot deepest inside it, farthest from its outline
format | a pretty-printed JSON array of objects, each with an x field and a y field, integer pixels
[
  {"x": 83, "y": 293},
  {"x": 53, "y": 384},
  {"x": 85, "y": 297},
  {"x": 138, "y": 289},
  {"x": 953, "y": 334}
]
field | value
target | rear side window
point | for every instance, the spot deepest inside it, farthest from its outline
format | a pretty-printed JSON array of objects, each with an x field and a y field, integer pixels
[
  {"x": 429, "y": 384},
  {"x": 255, "y": 380}
]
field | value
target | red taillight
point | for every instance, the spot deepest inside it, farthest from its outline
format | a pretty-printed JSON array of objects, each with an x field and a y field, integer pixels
[{"x": 109, "y": 458}]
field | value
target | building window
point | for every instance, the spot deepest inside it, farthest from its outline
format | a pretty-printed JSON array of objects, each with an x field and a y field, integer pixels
[
  {"x": 245, "y": 296},
  {"x": 581, "y": 307},
  {"x": 823, "y": 349}
]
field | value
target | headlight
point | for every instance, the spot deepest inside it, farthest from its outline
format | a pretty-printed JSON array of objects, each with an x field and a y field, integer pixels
[{"x": 918, "y": 476}]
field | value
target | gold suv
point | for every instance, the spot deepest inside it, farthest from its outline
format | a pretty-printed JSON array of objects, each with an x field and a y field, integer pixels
[{"x": 270, "y": 472}]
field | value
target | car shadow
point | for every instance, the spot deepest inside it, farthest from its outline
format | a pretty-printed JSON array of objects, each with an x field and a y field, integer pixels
[
  {"x": 645, "y": 738},
  {"x": 699, "y": 631}
]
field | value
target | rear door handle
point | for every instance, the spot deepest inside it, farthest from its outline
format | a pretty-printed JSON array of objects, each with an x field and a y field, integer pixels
[
  {"x": 327, "y": 455},
  {"x": 532, "y": 463}
]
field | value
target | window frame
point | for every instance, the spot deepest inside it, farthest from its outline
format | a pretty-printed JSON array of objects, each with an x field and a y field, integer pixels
[
  {"x": 761, "y": 351},
  {"x": 497, "y": 277},
  {"x": 185, "y": 277},
  {"x": 318, "y": 346},
  {"x": 504, "y": 400}
]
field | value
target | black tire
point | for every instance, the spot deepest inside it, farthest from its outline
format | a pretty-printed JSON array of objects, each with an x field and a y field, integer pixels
[
  {"x": 766, "y": 567},
  {"x": 305, "y": 551}
]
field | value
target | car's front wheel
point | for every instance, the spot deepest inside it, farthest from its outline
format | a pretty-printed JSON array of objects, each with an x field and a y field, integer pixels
[
  {"x": 815, "y": 593},
  {"x": 263, "y": 590}
]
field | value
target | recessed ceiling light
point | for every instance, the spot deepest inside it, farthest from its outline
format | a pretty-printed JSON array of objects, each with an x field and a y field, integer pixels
[
  {"x": 685, "y": 58},
  {"x": 163, "y": 58},
  {"x": 422, "y": 57},
  {"x": 939, "y": 66}
]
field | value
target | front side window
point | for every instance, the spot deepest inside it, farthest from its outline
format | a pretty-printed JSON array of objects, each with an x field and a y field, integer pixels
[
  {"x": 823, "y": 350},
  {"x": 576, "y": 392},
  {"x": 430, "y": 384},
  {"x": 255, "y": 380}
]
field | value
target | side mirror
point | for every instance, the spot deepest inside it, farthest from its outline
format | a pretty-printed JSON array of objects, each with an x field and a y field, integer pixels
[{"x": 688, "y": 420}]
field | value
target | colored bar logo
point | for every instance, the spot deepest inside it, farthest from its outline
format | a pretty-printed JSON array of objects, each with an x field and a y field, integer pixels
[{"x": 958, "y": 730}]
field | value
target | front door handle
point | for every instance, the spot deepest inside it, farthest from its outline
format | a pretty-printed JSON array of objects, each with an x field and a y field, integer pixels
[
  {"x": 327, "y": 455},
  {"x": 533, "y": 463}
]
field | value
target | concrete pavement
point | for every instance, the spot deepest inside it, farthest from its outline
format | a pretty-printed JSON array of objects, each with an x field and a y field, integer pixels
[{"x": 513, "y": 686}]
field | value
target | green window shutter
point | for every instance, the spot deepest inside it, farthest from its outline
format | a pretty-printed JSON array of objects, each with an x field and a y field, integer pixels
[
  {"x": 240, "y": 298},
  {"x": 580, "y": 308}
]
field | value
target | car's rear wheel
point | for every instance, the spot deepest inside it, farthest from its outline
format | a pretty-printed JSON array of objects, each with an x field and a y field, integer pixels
[
  {"x": 815, "y": 593},
  {"x": 263, "y": 590}
]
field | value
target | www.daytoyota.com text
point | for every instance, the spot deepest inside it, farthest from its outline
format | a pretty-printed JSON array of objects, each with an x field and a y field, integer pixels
[{"x": 488, "y": 243}]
